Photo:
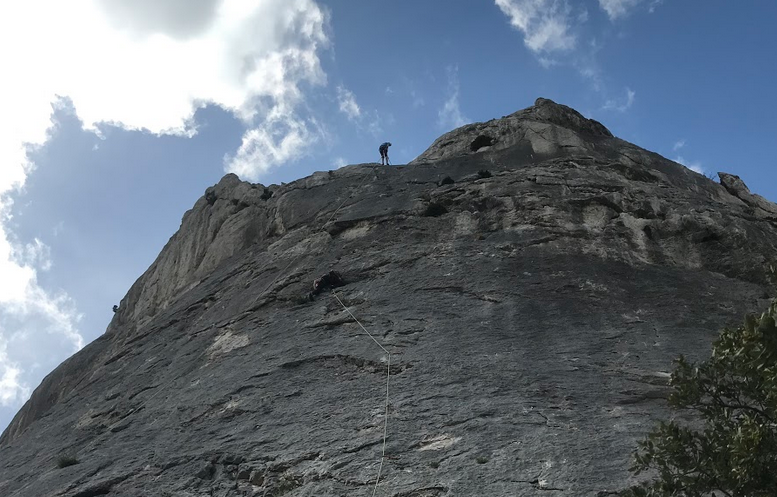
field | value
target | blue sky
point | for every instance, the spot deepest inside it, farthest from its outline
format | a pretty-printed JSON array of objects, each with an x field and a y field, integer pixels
[{"x": 117, "y": 115}]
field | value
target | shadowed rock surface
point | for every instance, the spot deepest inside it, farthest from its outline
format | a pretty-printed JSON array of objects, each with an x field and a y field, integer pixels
[{"x": 532, "y": 277}]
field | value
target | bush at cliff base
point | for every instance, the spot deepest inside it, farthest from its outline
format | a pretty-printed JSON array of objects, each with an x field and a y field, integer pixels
[{"x": 732, "y": 449}]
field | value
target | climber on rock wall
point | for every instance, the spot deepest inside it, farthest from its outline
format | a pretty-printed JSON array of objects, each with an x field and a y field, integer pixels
[
  {"x": 384, "y": 153},
  {"x": 332, "y": 279}
]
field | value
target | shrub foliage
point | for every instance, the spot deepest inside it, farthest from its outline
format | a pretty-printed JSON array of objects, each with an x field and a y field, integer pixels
[{"x": 732, "y": 449}]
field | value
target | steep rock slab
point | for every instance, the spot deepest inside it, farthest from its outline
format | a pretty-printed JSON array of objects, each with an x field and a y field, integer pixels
[
  {"x": 546, "y": 129},
  {"x": 761, "y": 207},
  {"x": 531, "y": 304}
]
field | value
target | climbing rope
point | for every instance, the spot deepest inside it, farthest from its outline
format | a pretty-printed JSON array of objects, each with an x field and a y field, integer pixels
[
  {"x": 388, "y": 354},
  {"x": 294, "y": 259},
  {"x": 261, "y": 294},
  {"x": 388, "y": 377}
]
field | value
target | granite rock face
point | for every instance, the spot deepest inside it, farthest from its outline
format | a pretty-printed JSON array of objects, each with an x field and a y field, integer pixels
[
  {"x": 532, "y": 288},
  {"x": 759, "y": 206},
  {"x": 545, "y": 129}
]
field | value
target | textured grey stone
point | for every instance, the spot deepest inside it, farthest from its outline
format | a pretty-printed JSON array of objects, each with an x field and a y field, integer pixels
[
  {"x": 760, "y": 206},
  {"x": 545, "y": 129},
  {"x": 531, "y": 308}
]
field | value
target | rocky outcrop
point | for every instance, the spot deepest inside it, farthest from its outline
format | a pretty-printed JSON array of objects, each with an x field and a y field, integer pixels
[
  {"x": 229, "y": 218},
  {"x": 532, "y": 293},
  {"x": 544, "y": 130},
  {"x": 761, "y": 207}
]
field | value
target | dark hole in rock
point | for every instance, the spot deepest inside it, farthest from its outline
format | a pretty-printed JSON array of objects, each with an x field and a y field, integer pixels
[
  {"x": 207, "y": 473},
  {"x": 446, "y": 181},
  {"x": 648, "y": 232},
  {"x": 484, "y": 173},
  {"x": 480, "y": 142},
  {"x": 256, "y": 478},
  {"x": 266, "y": 195},
  {"x": 635, "y": 173},
  {"x": 705, "y": 235},
  {"x": 338, "y": 227},
  {"x": 242, "y": 205},
  {"x": 210, "y": 196},
  {"x": 434, "y": 210},
  {"x": 645, "y": 212},
  {"x": 94, "y": 491}
]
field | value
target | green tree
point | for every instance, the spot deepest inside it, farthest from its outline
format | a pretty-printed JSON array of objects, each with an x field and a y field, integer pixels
[{"x": 731, "y": 448}]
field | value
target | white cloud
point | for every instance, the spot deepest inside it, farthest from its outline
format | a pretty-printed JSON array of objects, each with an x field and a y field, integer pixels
[
  {"x": 550, "y": 30},
  {"x": 653, "y": 5},
  {"x": 618, "y": 8},
  {"x": 348, "y": 105},
  {"x": 177, "y": 18},
  {"x": 450, "y": 115},
  {"x": 147, "y": 65},
  {"x": 418, "y": 100},
  {"x": 678, "y": 145},
  {"x": 35, "y": 326},
  {"x": 13, "y": 391},
  {"x": 693, "y": 166},
  {"x": 622, "y": 104},
  {"x": 339, "y": 162},
  {"x": 591, "y": 72},
  {"x": 34, "y": 254},
  {"x": 366, "y": 121},
  {"x": 278, "y": 139},
  {"x": 409, "y": 88},
  {"x": 59, "y": 228},
  {"x": 374, "y": 126},
  {"x": 150, "y": 65},
  {"x": 546, "y": 24}
]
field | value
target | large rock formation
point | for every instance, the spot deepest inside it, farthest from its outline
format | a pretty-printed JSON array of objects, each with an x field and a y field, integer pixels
[{"x": 532, "y": 278}]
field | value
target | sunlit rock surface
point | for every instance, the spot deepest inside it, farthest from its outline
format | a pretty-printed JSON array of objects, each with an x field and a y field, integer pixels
[{"x": 532, "y": 277}]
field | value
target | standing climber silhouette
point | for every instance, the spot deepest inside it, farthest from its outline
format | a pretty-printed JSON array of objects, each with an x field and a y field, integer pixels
[{"x": 384, "y": 153}]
